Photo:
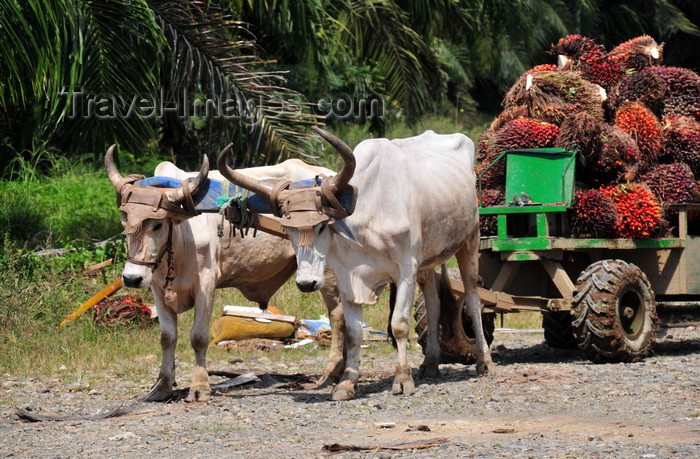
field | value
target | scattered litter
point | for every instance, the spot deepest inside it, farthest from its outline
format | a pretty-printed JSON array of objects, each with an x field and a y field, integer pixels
[
  {"x": 418, "y": 428},
  {"x": 338, "y": 448},
  {"x": 240, "y": 323},
  {"x": 503, "y": 431},
  {"x": 237, "y": 381},
  {"x": 384, "y": 425},
  {"x": 269, "y": 381},
  {"x": 516, "y": 330},
  {"x": 257, "y": 344},
  {"x": 121, "y": 310},
  {"x": 300, "y": 343}
]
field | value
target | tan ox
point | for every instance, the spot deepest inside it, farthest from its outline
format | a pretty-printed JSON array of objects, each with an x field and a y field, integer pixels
[
  {"x": 181, "y": 258},
  {"x": 416, "y": 207}
]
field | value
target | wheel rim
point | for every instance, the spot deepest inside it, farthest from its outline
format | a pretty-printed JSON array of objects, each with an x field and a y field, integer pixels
[{"x": 631, "y": 309}]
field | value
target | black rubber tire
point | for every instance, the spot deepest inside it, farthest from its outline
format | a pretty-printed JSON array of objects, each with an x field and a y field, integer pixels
[
  {"x": 614, "y": 312},
  {"x": 421, "y": 316},
  {"x": 558, "y": 332}
]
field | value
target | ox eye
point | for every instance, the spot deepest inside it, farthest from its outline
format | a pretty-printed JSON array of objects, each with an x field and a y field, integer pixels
[
  {"x": 157, "y": 227},
  {"x": 321, "y": 229}
]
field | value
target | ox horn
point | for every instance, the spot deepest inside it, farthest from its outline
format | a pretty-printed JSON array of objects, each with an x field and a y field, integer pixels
[
  {"x": 235, "y": 177},
  {"x": 342, "y": 178},
  {"x": 178, "y": 194},
  {"x": 112, "y": 172}
]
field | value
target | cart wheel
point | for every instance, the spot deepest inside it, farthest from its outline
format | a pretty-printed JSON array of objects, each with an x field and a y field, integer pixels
[
  {"x": 558, "y": 332},
  {"x": 614, "y": 312},
  {"x": 421, "y": 317}
]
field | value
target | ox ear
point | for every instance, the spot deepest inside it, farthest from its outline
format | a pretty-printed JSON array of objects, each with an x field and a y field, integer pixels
[{"x": 342, "y": 229}]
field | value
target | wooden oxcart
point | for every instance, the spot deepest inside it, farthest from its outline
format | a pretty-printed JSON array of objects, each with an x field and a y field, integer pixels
[{"x": 604, "y": 295}]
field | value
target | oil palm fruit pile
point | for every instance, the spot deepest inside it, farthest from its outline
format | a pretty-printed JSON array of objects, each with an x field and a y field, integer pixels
[{"x": 634, "y": 122}]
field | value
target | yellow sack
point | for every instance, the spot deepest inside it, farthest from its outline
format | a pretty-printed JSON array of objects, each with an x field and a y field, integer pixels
[{"x": 239, "y": 327}]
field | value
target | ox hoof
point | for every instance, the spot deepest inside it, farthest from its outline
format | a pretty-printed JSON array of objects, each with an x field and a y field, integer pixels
[
  {"x": 161, "y": 391},
  {"x": 406, "y": 388},
  {"x": 341, "y": 393},
  {"x": 198, "y": 394},
  {"x": 428, "y": 371},
  {"x": 325, "y": 381},
  {"x": 160, "y": 395},
  {"x": 485, "y": 369}
]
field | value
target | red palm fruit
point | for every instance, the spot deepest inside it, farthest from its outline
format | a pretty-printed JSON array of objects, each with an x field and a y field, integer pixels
[
  {"x": 619, "y": 158},
  {"x": 526, "y": 133},
  {"x": 638, "y": 212},
  {"x": 574, "y": 46},
  {"x": 642, "y": 125},
  {"x": 637, "y": 54},
  {"x": 600, "y": 70},
  {"x": 592, "y": 214},
  {"x": 542, "y": 68},
  {"x": 490, "y": 198}
]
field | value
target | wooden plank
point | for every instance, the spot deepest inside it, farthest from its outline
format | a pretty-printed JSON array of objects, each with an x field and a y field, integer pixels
[
  {"x": 261, "y": 315},
  {"x": 98, "y": 266},
  {"x": 560, "y": 278}
]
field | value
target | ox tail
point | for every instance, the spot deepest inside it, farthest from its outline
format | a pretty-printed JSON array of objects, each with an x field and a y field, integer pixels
[
  {"x": 444, "y": 291},
  {"x": 392, "y": 304}
]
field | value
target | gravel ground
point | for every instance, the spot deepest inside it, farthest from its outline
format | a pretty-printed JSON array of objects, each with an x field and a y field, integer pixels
[{"x": 541, "y": 403}]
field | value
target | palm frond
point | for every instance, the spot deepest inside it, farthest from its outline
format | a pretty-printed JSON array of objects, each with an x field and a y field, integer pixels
[
  {"x": 213, "y": 56},
  {"x": 116, "y": 43},
  {"x": 376, "y": 30}
]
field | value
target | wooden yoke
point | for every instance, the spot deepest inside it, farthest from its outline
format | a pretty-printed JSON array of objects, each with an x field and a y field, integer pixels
[{"x": 261, "y": 222}]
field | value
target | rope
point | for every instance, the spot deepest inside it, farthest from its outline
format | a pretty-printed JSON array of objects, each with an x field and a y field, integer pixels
[{"x": 240, "y": 202}]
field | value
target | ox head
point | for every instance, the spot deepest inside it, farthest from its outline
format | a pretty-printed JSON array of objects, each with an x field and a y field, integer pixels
[
  {"x": 309, "y": 216},
  {"x": 148, "y": 214}
]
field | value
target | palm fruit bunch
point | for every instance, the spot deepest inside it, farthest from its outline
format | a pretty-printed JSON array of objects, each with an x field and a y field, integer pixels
[
  {"x": 490, "y": 198},
  {"x": 518, "y": 133},
  {"x": 671, "y": 183},
  {"x": 642, "y": 125},
  {"x": 647, "y": 88},
  {"x": 592, "y": 214},
  {"x": 637, "y": 54},
  {"x": 638, "y": 211},
  {"x": 682, "y": 135},
  {"x": 581, "y": 54},
  {"x": 634, "y": 121}
]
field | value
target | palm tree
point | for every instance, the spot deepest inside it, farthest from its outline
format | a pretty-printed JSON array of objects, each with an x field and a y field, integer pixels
[{"x": 81, "y": 74}]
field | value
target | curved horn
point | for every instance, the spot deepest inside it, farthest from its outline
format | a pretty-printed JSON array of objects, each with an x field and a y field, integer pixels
[
  {"x": 342, "y": 178},
  {"x": 178, "y": 194},
  {"x": 112, "y": 172},
  {"x": 235, "y": 177}
]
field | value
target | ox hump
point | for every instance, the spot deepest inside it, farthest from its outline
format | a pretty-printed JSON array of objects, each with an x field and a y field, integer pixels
[
  {"x": 168, "y": 169},
  {"x": 421, "y": 146}
]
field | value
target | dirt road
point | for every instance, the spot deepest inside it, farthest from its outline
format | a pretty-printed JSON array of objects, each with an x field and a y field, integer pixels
[{"x": 541, "y": 403}]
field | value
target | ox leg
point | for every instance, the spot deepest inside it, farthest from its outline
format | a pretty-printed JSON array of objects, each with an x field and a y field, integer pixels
[
  {"x": 401, "y": 327},
  {"x": 430, "y": 366},
  {"x": 199, "y": 338},
  {"x": 345, "y": 390},
  {"x": 336, "y": 360},
  {"x": 468, "y": 260},
  {"x": 167, "y": 318}
]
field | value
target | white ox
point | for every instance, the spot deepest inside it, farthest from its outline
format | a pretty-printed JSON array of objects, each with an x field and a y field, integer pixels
[
  {"x": 201, "y": 263},
  {"x": 416, "y": 207}
]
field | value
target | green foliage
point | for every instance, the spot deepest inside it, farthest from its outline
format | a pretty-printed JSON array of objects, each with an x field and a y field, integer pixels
[{"x": 58, "y": 210}]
